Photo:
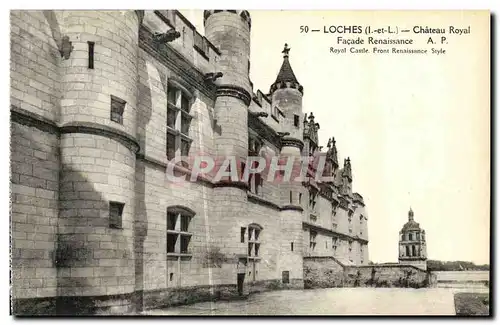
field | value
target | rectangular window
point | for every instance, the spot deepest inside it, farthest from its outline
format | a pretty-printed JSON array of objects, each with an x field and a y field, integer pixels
[
  {"x": 185, "y": 243},
  {"x": 171, "y": 241},
  {"x": 257, "y": 246},
  {"x": 172, "y": 95},
  {"x": 178, "y": 236},
  {"x": 300, "y": 198},
  {"x": 312, "y": 200},
  {"x": 257, "y": 233},
  {"x": 291, "y": 199},
  {"x": 242, "y": 234},
  {"x": 184, "y": 103},
  {"x": 170, "y": 146},
  {"x": 334, "y": 244},
  {"x": 285, "y": 277},
  {"x": 185, "y": 145},
  {"x": 250, "y": 247},
  {"x": 171, "y": 117},
  {"x": 117, "y": 109},
  {"x": 410, "y": 236},
  {"x": 115, "y": 214},
  {"x": 171, "y": 220},
  {"x": 185, "y": 223},
  {"x": 312, "y": 240},
  {"x": 296, "y": 120},
  {"x": 91, "y": 55},
  {"x": 291, "y": 246},
  {"x": 185, "y": 122}
]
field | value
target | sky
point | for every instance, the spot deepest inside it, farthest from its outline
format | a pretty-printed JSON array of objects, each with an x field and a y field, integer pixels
[{"x": 416, "y": 127}]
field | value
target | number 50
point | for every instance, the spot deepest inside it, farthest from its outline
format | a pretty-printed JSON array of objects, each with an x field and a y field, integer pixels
[{"x": 304, "y": 29}]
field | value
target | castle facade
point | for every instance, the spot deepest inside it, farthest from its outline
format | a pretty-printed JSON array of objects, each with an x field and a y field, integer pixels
[{"x": 101, "y": 103}]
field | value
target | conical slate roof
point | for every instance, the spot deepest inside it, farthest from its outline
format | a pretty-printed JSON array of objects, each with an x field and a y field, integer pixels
[
  {"x": 286, "y": 78},
  {"x": 286, "y": 72}
]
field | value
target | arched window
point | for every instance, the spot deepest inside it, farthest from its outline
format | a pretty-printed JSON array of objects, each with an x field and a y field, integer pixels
[
  {"x": 414, "y": 251},
  {"x": 179, "y": 229},
  {"x": 407, "y": 250}
]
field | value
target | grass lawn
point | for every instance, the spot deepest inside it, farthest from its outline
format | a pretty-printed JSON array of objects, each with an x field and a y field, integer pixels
[{"x": 472, "y": 304}]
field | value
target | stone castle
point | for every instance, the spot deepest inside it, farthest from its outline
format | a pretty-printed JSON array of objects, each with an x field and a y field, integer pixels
[{"x": 101, "y": 102}]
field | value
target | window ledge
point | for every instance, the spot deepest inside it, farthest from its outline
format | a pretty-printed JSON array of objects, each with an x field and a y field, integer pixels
[
  {"x": 185, "y": 137},
  {"x": 176, "y": 232},
  {"x": 173, "y": 106},
  {"x": 186, "y": 114},
  {"x": 180, "y": 254},
  {"x": 172, "y": 131}
]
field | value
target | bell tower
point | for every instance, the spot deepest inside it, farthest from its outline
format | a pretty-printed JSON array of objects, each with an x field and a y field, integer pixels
[{"x": 412, "y": 243}]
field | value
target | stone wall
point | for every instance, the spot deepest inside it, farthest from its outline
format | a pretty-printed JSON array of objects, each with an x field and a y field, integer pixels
[
  {"x": 323, "y": 272},
  {"x": 328, "y": 272},
  {"x": 388, "y": 276},
  {"x": 34, "y": 197}
]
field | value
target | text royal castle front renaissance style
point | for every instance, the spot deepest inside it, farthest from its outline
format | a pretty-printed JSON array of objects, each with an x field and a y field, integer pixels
[{"x": 100, "y": 102}]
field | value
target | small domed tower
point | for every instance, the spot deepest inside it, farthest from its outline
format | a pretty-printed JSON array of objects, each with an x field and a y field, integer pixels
[{"x": 412, "y": 247}]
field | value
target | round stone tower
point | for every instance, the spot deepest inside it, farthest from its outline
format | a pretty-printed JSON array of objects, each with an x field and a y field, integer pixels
[
  {"x": 412, "y": 244},
  {"x": 229, "y": 31},
  {"x": 95, "y": 255},
  {"x": 286, "y": 94}
]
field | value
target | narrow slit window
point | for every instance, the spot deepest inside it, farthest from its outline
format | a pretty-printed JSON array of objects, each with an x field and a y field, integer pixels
[
  {"x": 242, "y": 234},
  {"x": 291, "y": 246},
  {"x": 91, "y": 55}
]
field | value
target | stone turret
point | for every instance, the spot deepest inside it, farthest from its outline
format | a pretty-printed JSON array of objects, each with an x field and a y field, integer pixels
[
  {"x": 286, "y": 96},
  {"x": 310, "y": 135},
  {"x": 98, "y": 150},
  {"x": 229, "y": 31}
]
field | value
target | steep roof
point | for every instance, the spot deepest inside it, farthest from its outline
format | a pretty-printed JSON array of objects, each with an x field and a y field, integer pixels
[
  {"x": 286, "y": 72},
  {"x": 286, "y": 78}
]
